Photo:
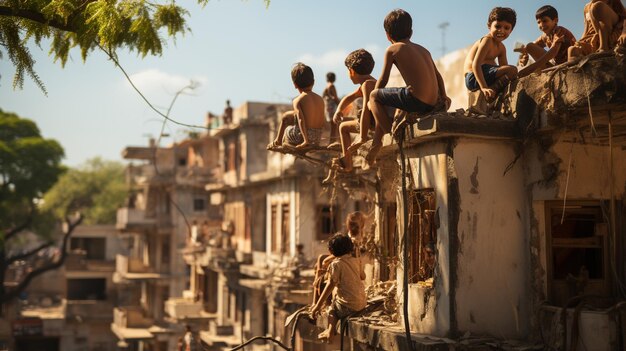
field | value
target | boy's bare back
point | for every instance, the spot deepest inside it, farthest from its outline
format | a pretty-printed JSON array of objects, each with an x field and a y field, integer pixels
[
  {"x": 417, "y": 69},
  {"x": 310, "y": 106},
  {"x": 492, "y": 49}
]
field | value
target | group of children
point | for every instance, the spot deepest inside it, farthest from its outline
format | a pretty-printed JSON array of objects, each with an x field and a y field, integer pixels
[{"x": 486, "y": 68}]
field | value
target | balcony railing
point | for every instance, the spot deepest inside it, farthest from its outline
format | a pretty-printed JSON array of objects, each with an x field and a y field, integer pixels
[
  {"x": 186, "y": 308},
  {"x": 133, "y": 218},
  {"x": 78, "y": 261},
  {"x": 131, "y": 317},
  {"x": 89, "y": 310}
]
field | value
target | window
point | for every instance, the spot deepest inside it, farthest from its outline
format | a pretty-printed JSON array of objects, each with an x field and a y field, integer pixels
[
  {"x": 422, "y": 231},
  {"x": 86, "y": 289},
  {"x": 274, "y": 228},
  {"x": 328, "y": 221},
  {"x": 285, "y": 232},
  {"x": 199, "y": 204},
  {"x": 165, "y": 252},
  {"x": 182, "y": 161},
  {"x": 389, "y": 241},
  {"x": 94, "y": 248},
  {"x": 577, "y": 250}
]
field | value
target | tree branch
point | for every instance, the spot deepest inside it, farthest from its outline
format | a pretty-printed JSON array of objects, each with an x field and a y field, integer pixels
[
  {"x": 13, "y": 231},
  {"x": 68, "y": 229},
  {"x": 36, "y": 17},
  {"x": 27, "y": 254}
]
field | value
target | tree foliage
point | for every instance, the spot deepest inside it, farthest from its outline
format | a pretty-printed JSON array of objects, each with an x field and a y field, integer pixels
[
  {"x": 136, "y": 25},
  {"x": 29, "y": 166},
  {"x": 96, "y": 189}
]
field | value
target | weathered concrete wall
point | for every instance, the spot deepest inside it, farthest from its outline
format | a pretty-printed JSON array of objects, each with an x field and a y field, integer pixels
[
  {"x": 493, "y": 255},
  {"x": 429, "y": 311}
]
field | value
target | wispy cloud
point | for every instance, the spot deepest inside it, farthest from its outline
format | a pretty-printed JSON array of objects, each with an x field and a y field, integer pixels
[
  {"x": 153, "y": 81},
  {"x": 333, "y": 59}
]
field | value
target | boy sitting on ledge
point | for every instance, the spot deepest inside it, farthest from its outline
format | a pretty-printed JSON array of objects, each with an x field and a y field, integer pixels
[{"x": 301, "y": 127}]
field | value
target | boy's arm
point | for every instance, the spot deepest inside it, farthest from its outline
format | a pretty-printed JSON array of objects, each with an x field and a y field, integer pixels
[
  {"x": 384, "y": 76},
  {"x": 333, "y": 93},
  {"x": 622, "y": 38},
  {"x": 301, "y": 120},
  {"x": 479, "y": 58},
  {"x": 442, "y": 89},
  {"x": 554, "y": 49},
  {"x": 330, "y": 285},
  {"x": 345, "y": 102},
  {"x": 502, "y": 60}
]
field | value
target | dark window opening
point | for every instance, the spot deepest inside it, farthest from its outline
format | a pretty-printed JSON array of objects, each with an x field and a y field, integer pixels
[
  {"x": 328, "y": 221},
  {"x": 94, "y": 248},
  {"x": 389, "y": 259},
  {"x": 274, "y": 228},
  {"x": 422, "y": 231},
  {"x": 286, "y": 232},
  {"x": 182, "y": 161},
  {"x": 86, "y": 289},
  {"x": 577, "y": 255},
  {"x": 199, "y": 204}
]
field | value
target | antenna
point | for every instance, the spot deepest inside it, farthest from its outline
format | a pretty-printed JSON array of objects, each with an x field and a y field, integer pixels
[{"x": 443, "y": 26}]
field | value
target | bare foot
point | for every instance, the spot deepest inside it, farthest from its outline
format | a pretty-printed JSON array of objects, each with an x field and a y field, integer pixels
[
  {"x": 325, "y": 335},
  {"x": 370, "y": 159},
  {"x": 358, "y": 141},
  {"x": 339, "y": 164},
  {"x": 304, "y": 145},
  {"x": 329, "y": 178},
  {"x": 334, "y": 146},
  {"x": 273, "y": 145}
]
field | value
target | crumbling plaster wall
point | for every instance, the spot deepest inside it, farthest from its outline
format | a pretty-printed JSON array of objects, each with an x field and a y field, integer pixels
[
  {"x": 429, "y": 310},
  {"x": 547, "y": 162},
  {"x": 493, "y": 248}
]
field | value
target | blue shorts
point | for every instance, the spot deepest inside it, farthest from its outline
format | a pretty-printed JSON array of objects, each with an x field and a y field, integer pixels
[
  {"x": 401, "y": 98},
  {"x": 489, "y": 72}
]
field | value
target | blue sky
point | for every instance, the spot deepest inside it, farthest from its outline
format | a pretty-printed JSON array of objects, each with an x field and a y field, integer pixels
[{"x": 238, "y": 50}]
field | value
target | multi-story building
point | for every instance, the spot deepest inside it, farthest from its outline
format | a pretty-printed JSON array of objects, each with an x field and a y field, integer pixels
[
  {"x": 167, "y": 202},
  {"x": 242, "y": 282},
  {"x": 69, "y": 308}
]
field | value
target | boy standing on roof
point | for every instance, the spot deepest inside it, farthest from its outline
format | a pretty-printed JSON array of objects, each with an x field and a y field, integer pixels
[{"x": 425, "y": 87}]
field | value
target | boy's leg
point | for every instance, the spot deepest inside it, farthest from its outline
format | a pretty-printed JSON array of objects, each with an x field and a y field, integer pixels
[
  {"x": 364, "y": 126},
  {"x": 509, "y": 71},
  {"x": 536, "y": 52},
  {"x": 345, "y": 129},
  {"x": 288, "y": 119},
  {"x": 379, "y": 112},
  {"x": 377, "y": 143},
  {"x": 603, "y": 19}
]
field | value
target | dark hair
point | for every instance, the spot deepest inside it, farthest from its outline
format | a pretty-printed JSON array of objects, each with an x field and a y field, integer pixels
[
  {"x": 547, "y": 11},
  {"x": 398, "y": 25},
  {"x": 340, "y": 244},
  {"x": 330, "y": 77},
  {"x": 502, "y": 14},
  {"x": 355, "y": 222},
  {"x": 302, "y": 75},
  {"x": 360, "y": 61}
]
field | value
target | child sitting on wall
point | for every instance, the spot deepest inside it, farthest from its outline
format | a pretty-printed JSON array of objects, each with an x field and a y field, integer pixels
[
  {"x": 483, "y": 73},
  {"x": 556, "y": 38},
  {"x": 345, "y": 283},
  {"x": 605, "y": 27},
  {"x": 425, "y": 90},
  {"x": 301, "y": 127}
]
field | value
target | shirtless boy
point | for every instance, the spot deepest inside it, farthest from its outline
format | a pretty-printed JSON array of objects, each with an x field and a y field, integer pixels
[
  {"x": 307, "y": 114},
  {"x": 425, "y": 87},
  {"x": 556, "y": 38},
  {"x": 360, "y": 64},
  {"x": 331, "y": 100},
  {"x": 480, "y": 63}
]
